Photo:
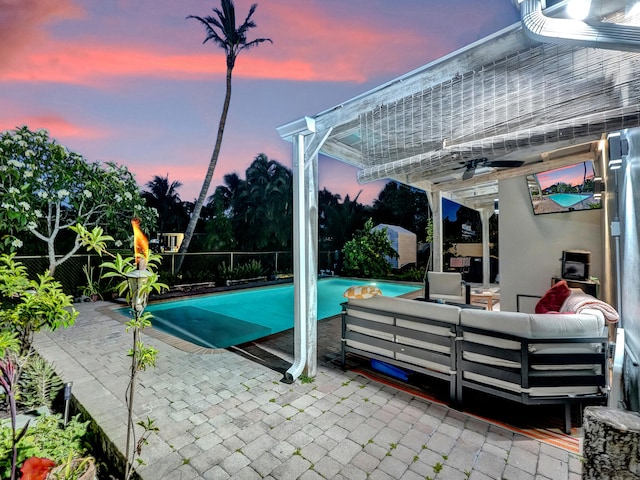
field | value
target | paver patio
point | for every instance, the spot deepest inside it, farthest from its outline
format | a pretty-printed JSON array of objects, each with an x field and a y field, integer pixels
[{"x": 226, "y": 414}]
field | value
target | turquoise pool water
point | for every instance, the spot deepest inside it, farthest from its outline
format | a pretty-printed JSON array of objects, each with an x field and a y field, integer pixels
[
  {"x": 568, "y": 199},
  {"x": 224, "y": 319}
]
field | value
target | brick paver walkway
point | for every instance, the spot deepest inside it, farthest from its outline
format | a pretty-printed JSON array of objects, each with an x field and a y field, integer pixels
[{"x": 227, "y": 415}]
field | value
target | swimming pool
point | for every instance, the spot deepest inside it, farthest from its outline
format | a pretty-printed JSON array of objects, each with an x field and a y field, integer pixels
[
  {"x": 568, "y": 199},
  {"x": 224, "y": 319}
]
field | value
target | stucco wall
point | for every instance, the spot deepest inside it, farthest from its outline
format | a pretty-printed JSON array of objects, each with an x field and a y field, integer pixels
[{"x": 531, "y": 245}]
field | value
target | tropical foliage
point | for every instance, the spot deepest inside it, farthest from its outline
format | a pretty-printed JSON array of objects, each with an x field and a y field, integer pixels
[
  {"x": 162, "y": 195},
  {"x": 366, "y": 255},
  {"x": 27, "y": 306},
  {"x": 45, "y": 189},
  {"x": 222, "y": 30},
  {"x": 339, "y": 221},
  {"x": 259, "y": 209}
]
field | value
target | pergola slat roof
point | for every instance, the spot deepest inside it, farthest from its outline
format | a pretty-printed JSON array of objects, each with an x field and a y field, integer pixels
[{"x": 503, "y": 98}]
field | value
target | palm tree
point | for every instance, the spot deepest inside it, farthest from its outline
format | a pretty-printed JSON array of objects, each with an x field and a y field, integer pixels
[
  {"x": 263, "y": 206},
  {"x": 163, "y": 196},
  {"x": 222, "y": 31}
]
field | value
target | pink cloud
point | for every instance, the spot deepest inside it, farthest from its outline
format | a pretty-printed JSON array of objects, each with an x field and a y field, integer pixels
[
  {"x": 21, "y": 22},
  {"x": 362, "y": 49},
  {"x": 57, "y": 126}
]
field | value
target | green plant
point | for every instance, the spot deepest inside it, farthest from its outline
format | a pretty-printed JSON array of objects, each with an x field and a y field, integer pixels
[
  {"x": 27, "y": 306},
  {"x": 92, "y": 287},
  {"x": 366, "y": 254},
  {"x": 47, "y": 438},
  {"x": 250, "y": 269},
  {"x": 39, "y": 383},
  {"x": 73, "y": 468},
  {"x": 304, "y": 378}
]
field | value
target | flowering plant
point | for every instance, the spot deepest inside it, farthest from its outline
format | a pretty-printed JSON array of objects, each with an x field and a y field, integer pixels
[{"x": 45, "y": 189}]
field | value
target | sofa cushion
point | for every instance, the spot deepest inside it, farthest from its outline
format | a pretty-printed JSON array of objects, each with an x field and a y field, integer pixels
[
  {"x": 404, "y": 306},
  {"x": 530, "y": 325},
  {"x": 553, "y": 299},
  {"x": 445, "y": 283}
]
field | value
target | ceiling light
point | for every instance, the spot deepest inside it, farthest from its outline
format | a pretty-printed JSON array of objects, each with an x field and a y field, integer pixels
[
  {"x": 633, "y": 11},
  {"x": 615, "y": 164},
  {"x": 578, "y": 9}
]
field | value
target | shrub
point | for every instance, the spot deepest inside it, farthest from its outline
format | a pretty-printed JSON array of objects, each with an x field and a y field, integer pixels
[
  {"x": 46, "y": 438},
  {"x": 250, "y": 269},
  {"x": 366, "y": 254}
]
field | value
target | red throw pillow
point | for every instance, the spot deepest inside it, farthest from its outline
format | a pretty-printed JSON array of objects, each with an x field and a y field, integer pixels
[{"x": 554, "y": 298}]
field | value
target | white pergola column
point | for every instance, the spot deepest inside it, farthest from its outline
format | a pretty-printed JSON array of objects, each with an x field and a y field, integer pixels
[
  {"x": 485, "y": 215},
  {"x": 435, "y": 202},
  {"x": 306, "y": 144}
]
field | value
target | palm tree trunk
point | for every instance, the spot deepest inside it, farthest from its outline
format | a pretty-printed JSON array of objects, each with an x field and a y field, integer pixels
[{"x": 195, "y": 215}]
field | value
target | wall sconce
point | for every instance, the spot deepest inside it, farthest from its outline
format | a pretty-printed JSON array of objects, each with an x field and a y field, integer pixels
[
  {"x": 598, "y": 188},
  {"x": 618, "y": 147}
]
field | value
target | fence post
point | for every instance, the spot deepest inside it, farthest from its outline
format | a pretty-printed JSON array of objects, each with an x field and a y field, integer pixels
[
  {"x": 231, "y": 261},
  {"x": 276, "y": 267}
]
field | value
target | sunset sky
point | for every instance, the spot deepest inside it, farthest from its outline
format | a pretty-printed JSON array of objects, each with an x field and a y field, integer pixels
[
  {"x": 571, "y": 175},
  {"x": 130, "y": 81}
]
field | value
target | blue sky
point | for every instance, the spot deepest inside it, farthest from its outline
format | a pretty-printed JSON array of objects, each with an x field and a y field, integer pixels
[{"x": 130, "y": 81}]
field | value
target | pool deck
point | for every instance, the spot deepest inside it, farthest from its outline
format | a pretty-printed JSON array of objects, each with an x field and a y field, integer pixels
[{"x": 226, "y": 414}]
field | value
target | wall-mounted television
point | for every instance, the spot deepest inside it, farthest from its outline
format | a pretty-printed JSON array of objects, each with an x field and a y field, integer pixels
[{"x": 565, "y": 189}]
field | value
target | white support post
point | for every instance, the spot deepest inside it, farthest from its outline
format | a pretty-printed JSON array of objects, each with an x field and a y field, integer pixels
[
  {"x": 306, "y": 144},
  {"x": 485, "y": 215},
  {"x": 436, "y": 208}
]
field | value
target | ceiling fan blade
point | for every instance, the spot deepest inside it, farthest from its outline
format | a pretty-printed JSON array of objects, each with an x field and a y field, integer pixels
[
  {"x": 469, "y": 172},
  {"x": 504, "y": 163}
]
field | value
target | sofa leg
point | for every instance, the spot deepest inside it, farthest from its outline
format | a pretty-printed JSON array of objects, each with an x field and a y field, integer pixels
[{"x": 567, "y": 418}]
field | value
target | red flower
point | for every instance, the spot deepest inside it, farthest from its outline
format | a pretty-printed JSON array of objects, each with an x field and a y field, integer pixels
[{"x": 36, "y": 468}]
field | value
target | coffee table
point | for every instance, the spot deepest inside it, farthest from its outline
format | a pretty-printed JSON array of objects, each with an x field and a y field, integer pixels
[{"x": 484, "y": 298}]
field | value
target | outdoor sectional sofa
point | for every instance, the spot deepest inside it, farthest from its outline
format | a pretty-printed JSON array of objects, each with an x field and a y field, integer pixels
[{"x": 528, "y": 358}]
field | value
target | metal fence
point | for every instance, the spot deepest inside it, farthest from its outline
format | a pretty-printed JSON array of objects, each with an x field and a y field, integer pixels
[{"x": 197, "y": 267}]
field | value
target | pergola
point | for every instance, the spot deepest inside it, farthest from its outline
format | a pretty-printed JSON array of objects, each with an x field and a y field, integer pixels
[{"x": 540, "y": 94}]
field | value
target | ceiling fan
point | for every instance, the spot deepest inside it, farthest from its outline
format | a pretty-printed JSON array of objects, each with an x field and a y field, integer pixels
[{"x": 471, "y": 165}]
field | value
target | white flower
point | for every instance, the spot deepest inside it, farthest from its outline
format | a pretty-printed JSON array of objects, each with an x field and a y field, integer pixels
[
  {"x": 37, "y": 213},
  {"x": 128, "y": 195},
  {"x": 3, "y": 168},
  {"x": 87, "y": 193},
  {"x": 7, "y": 141},
  {"x": 16, "y": 243},
  {"x": 32, "y": 225},
  {"x": 13, "y": 190},
  {"x": 22, "y": 143},
  {"x": 29, "y": 153},
  {"x": 16, "y": 163},
  {"x": 25, "y": 205},
  {"x": 118, "y": 243},
  {"x": 42, "y": 131},
  {"x": 42, "y": 194},
  {"x": 28, "y": 173},
  {"x": 6, "y": 205},
  {"x": 118, "y": 198},
  {"x": 63, "y": 194},
  {"x": 17, "y": 137}
]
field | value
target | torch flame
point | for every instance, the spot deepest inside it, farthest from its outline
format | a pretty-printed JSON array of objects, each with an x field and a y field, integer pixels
[{"x": 140, "y": 245}]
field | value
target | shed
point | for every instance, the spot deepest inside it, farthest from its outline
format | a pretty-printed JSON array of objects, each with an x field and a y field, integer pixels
[{"x": 404, "y": 242}]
